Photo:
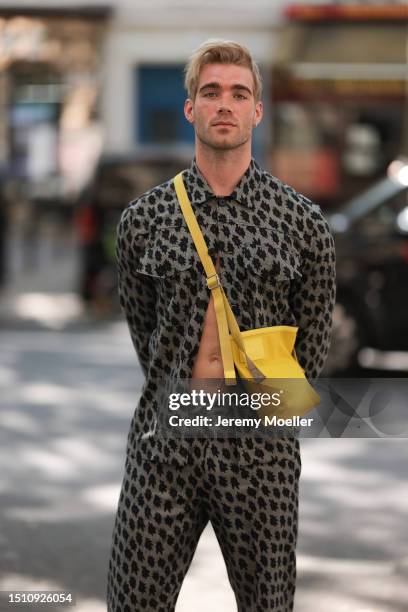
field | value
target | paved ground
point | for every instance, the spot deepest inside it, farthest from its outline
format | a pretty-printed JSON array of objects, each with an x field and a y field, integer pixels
[
  {"x": 68, "y": 387},
  {"x": 67, "y": 400}
]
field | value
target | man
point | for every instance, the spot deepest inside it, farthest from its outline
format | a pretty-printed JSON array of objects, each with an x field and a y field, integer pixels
[{"x": 275, "y": 257}]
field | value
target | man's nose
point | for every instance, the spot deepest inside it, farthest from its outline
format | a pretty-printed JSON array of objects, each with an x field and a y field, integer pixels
[{"x": 223, "y": 106}]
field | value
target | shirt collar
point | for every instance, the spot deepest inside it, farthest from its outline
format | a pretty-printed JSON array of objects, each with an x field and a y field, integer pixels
[{"x": 246, "y": 191}]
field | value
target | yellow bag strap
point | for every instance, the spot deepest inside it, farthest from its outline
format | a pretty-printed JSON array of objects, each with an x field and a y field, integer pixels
[
  {"x": 236, "y": 334},
  {"x": 213, "y": 282},
  {"x": 226, "y": 321}
]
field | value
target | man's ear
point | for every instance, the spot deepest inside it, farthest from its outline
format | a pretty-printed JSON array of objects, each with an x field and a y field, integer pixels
[
  {"x": 258, "y": 114},
  {"x": 189, "y": 110}
]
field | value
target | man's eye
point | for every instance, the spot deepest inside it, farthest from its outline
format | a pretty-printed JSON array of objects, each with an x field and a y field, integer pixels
[
  {"x": 240, "y": 96},
  {"x": 210, "y": 94}
]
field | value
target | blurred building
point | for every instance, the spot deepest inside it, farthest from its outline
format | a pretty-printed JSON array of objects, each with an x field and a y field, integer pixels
[
  {"x": 358, "y": 49},
  {"x": 75, "y": 72},
  {"x": 147, "y": 46},
  {"x": 78, "y": 78},
  {"x": 340, "y": 96},
  {"x": 50, "y": 130},
  {"x": 50, "y": 59}
]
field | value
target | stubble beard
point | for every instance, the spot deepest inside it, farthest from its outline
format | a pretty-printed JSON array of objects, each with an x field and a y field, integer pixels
[{"x": 222, "y": 145}]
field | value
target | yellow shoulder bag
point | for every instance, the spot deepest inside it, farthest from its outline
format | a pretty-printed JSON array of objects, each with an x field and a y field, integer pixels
[{"x": 264, "y": 358}]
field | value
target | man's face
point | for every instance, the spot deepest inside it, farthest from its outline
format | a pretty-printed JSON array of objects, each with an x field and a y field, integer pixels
[{"x": 224, "y": 111}]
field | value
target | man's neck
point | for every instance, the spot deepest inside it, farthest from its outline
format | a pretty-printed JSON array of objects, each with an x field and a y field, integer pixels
[{"x": 223, "y": 169}]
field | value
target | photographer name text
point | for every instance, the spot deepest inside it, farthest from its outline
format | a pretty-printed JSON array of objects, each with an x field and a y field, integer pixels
[{"x": 271, "y": 421}]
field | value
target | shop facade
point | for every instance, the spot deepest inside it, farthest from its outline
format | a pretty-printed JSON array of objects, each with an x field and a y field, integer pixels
[{"x": 339, "y": 98}]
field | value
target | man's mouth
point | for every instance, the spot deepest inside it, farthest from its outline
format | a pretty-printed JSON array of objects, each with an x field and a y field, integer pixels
[{"x": 224, "y": 123}]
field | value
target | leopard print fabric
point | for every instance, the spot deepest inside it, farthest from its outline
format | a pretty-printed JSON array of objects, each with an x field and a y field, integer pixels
[
  {"x": 277, "y": 265},
  {"x": 163, "y": 510}
]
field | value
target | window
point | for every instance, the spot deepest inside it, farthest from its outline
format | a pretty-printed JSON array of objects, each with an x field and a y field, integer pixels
[{"x": 160, "y": 94}]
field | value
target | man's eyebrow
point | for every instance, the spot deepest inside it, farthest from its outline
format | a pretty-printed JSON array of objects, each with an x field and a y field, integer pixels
[
  {"x": 215, "y": 85},
  {"x": 212, "y": 85}
]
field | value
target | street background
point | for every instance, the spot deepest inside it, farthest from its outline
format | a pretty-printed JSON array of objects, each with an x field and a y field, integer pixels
[
  {"x": 67, "y": 400},
  {"x": 82, "y": 133}
]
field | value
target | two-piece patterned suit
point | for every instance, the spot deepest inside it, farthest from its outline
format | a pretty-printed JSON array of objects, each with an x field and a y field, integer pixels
[{"x": 277, "y": 267}]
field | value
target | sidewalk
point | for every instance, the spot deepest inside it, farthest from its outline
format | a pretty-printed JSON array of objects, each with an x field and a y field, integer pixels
[
  {"x": 44, "y": 296},
  {"x": 69, "y": 398},
  {"x": 70, "y": 390}
]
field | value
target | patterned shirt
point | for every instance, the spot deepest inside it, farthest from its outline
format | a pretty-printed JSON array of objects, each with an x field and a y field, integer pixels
[{"x": 277, "y": 267}]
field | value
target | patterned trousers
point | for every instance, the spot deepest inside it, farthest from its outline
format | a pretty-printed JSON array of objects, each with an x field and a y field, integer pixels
[{"x": 163, "y": 509}]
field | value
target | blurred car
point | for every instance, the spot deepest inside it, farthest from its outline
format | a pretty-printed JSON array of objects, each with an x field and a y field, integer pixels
[
  {"x": 118, "y": 180},
  {"x": 371, "y": 236}
]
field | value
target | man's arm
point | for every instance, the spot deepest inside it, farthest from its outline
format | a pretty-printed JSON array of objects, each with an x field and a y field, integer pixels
[
  {"x": 136, "y": 290},
  {"x": 313, "y": 297}
]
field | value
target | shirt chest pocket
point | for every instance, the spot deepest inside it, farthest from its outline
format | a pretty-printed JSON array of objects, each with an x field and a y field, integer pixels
[
  {"x": 267, "y": 265},
  {"x": 277, "y": 267},
  {"x": 168, "y": 253},
  {"x": 168, "y": 258},
  {"x": 268, "y": 257}
]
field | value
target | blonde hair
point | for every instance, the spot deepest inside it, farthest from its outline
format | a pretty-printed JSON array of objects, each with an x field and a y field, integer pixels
[{"x": 216, "y": 51}]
